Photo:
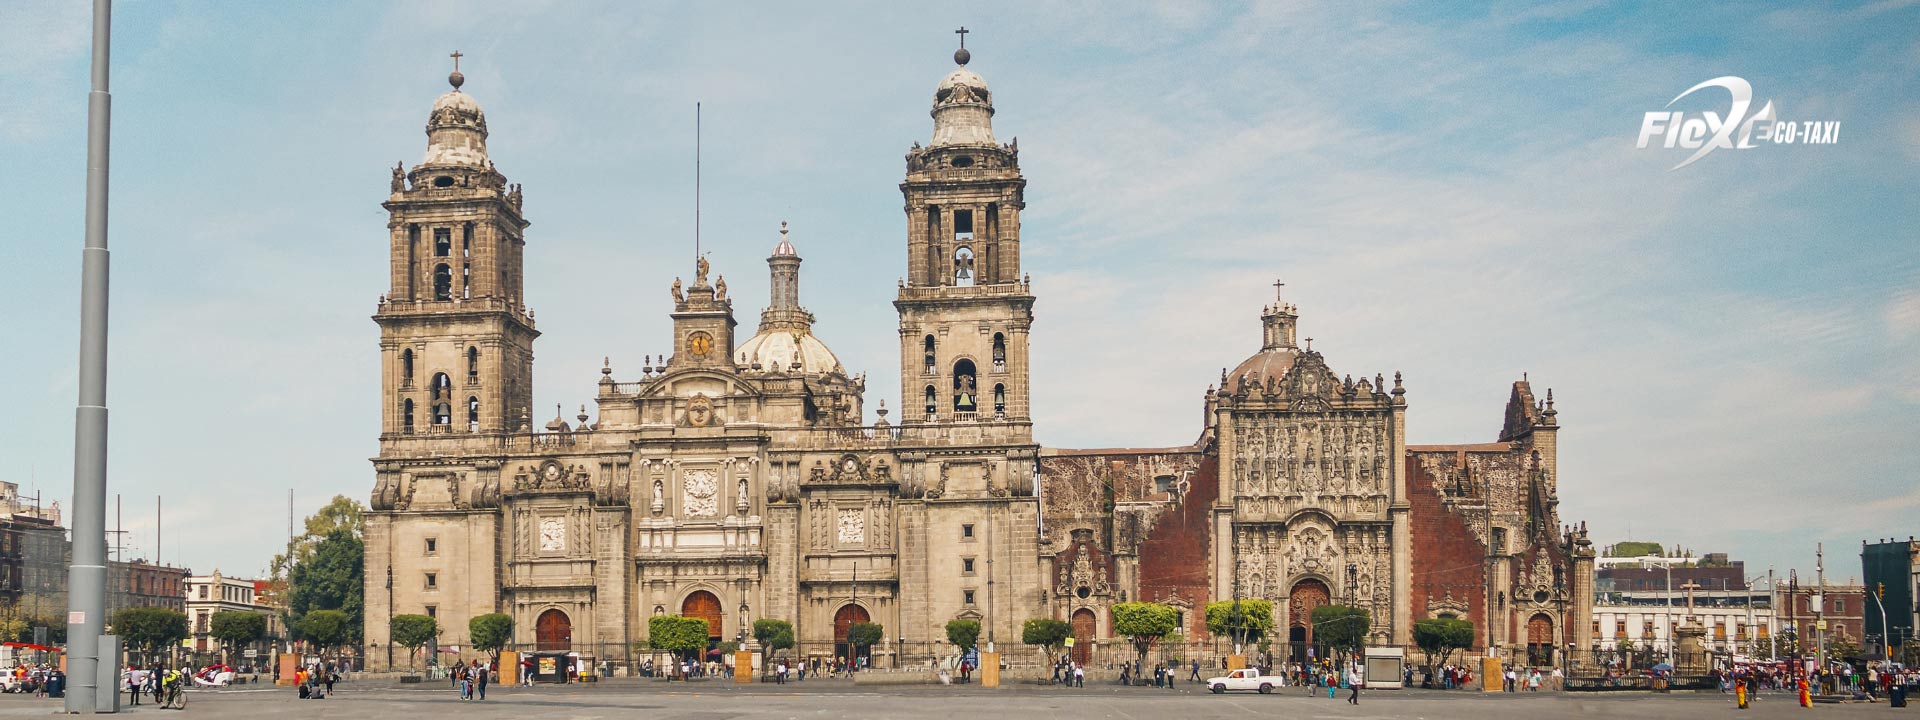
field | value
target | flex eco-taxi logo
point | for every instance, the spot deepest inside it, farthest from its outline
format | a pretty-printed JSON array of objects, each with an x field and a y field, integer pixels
[{"x": 1708, "y": 131}]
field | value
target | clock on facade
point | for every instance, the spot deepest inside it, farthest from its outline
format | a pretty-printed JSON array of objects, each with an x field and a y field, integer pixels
[
  {"x": 553, "y": 535},
  {"x": 700, "y": 343}
]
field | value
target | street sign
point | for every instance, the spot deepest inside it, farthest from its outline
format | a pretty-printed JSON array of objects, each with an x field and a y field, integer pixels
[
  {"x": 1069, "y": 642},
  {"x": 1822, "y": 625},
  {"x": 250, "y": 653}
]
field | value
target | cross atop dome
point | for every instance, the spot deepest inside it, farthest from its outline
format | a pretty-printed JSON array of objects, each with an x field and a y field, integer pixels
[
  {"x": 455, "y": 78},
  {"x": 961, "y": 56}
]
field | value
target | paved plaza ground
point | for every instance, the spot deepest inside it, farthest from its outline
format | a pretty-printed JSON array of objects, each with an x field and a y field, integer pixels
[{"x": 716, "y": 700}]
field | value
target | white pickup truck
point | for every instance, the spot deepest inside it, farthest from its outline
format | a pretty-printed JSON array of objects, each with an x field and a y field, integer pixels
[{"x": 1245, "y": 679}]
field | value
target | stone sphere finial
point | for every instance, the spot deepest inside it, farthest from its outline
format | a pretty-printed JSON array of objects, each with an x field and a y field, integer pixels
[
  {"x": 961, "y": 56},
  {"x": 456, "y": 79}
]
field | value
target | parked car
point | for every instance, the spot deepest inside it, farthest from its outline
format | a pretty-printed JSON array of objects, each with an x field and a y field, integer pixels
[{"x": 1245, "y": 679}]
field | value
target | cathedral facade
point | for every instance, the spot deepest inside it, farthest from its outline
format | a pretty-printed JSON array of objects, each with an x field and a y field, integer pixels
[{"x": 739, "y": 479}]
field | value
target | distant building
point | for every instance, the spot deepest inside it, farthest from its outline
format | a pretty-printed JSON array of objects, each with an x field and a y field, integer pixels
[
  {"x": 1842, "y": 608},
  {"x": 1639, "y": 601},
  {"x": 143, "y": 584},
  {"x": 1892, "y": 566},
  {"x": 210, "y": 594}
]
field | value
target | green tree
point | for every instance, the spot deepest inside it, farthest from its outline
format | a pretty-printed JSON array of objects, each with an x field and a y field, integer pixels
[
  {"x": 412, "y": 632},
  {"x": 236, "y": 628},
  {"x": 1341, "y": 627},
  {"x": 325, "y": 629},
  {"x": 1842, "y": 649},
  {"x": 1439, "y": 638},
  {"x": 678, "y": 635},
  {"x": 490, "y": 632},
  {"x": 863, "y": 636},
  {"x": 1048, "y": 634},
  {"x": 773, "y": 635},
  {"x": 1144, "y": 624},
  {"x": 330, "y": 579},
  {"x": 150, "y": 629},
  {"x": 1254, "y": 623},
  {"x": 964, "y": 633},
  {"x": 340, "y": 513}
]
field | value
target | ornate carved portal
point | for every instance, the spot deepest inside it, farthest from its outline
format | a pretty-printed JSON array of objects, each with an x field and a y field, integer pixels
[
  {"x": 1306, "y": 595},
  {"x": 1540, "y": 640},
  {"x": 1083, "y": 633},
  {"x": 553, "y": 632}
]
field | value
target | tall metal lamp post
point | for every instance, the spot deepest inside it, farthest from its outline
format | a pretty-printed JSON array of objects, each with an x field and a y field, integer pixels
[{"x": 92, "y": 659}]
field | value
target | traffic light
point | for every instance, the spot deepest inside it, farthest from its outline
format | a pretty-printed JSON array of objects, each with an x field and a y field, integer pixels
[{"x": 1881, "y": 592}]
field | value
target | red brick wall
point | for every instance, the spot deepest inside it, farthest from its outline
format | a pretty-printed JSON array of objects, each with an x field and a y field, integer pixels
[
  {"x": 1447, "y": 556},
  {"x": 1175, "y": 556}
]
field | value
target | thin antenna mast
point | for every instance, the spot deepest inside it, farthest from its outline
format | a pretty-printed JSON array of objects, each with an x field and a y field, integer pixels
[{"x": 696, "y": 181}]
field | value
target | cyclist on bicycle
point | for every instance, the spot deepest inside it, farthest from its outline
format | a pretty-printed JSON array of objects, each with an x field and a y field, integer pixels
[{"x": 172, "y": 684}]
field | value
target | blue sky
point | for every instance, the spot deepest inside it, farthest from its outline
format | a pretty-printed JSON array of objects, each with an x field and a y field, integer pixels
[{"x": 1452, "y": 194}]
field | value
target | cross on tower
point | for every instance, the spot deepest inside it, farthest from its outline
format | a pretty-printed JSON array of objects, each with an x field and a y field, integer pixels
[
  {"x": 456, "y": 60},
  {"x": 962, "y": 32},
  {"x": 1277, "y": 286}
]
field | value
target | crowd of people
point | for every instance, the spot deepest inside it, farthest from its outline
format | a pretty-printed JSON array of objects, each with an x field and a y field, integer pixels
[{"x": 41, "y": 680}]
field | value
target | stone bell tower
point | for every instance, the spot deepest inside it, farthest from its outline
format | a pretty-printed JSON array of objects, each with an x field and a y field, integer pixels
[
  {"x": 456, "y": 338},
  {"x": 965, "y": 308}
]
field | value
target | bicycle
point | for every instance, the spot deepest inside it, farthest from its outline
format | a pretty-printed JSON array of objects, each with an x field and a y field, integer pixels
[{"x": 176, "y": 695}]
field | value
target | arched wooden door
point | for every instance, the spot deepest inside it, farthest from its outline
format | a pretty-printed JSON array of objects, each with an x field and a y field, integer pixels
[
  {"x": 1083, "y": 633},
  {"x": 553, "y": 632},
  {"x": 1306, "y": 595},
  {"x": 702, "y": 604},
  {"x": 1540, "y": 640},
  {"x": 844, "y": 620}
]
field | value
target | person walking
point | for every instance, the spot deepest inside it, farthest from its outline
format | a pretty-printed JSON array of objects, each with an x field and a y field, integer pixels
[
  {"x": 1079, "y": 675},
  {"x": 153, "y": 683},
  {"x": 1195, "y": 675},
  {"x": 485, "y": 676},
  {"x": 1353, "y": 687}
]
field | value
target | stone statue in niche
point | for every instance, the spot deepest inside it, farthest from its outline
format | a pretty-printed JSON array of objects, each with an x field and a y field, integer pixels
[
  {"x": 399, "y": 177},
  {"x": 678, "y": 296}
]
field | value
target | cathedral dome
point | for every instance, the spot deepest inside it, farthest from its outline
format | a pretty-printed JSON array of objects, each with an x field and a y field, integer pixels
[
  {"x": 1277, "y": 353},
  {"x": 962, "y": 107},
  {"x": 1268, "y": 363},
  {"x": 781, "y": 347},
  {"x": 456, "y": 129}
]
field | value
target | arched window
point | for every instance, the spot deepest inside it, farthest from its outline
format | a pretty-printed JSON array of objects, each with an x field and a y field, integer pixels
[
  {"x": 963, "y": 267},
  {"x": 964, "y": 390},
  {"x": 932, "y": 365},
  {"x": 442, "y": 242},
  {"x": 442, "y": 282},
  {"x": 473, "y": 364},
  {"x": 473, "y": 414},
  {"x": 999, "y": 399},
  {"x": 406, "y": 367},
  {"x": 466, "y": 281},
  {"x": 999, "y": 352},
  {"x": 932, "y": 402},
  {"x": 406, "y": 416},
  {"x": 442, "y": 399}
]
